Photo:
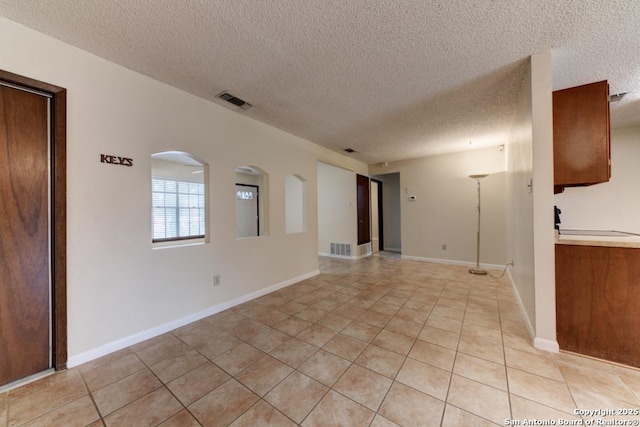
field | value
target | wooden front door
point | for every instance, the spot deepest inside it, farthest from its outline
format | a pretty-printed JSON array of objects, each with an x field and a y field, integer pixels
[
  {"x": 25, "y": 268},
  {"x": 364, "y": 209}
]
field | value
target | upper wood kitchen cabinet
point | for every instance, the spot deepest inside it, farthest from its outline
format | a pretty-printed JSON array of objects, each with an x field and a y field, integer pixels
[{"x": 581, "y": 135}]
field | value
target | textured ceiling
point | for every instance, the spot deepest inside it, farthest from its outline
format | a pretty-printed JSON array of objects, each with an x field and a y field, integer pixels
[{"x": 392, "y": 79}]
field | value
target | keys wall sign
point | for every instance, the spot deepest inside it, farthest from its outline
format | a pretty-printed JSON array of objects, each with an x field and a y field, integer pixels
[{"x": 116, "y": 160}]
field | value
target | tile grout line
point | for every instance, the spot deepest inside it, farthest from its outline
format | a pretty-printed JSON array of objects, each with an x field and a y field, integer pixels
[
  {"x": 455, "y": 360},
  {"x": 503, "y": 311},
  {"x": 405, "y": 360},
  {"x": 163, "y": 385},
  {"x": 504, "y": 355},
  {"x": 51, "y": 409},
  {"x": 375, "y": 412},
  {"x": 329, "y": 389},
  {"x": 295, "y": 369},
  {"x": 6, "y": 408},
  {"x": 90, "y": 394}
]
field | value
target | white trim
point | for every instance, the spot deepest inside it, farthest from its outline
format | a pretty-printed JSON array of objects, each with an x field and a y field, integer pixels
[
  {"x": 523, "y": 312},
  {"x": 452, "y": 262},
  {"x": 170, "y": 244},
  {"x": 388, "y": 249},
  {"x": 337, "y": 256},
  {"x": 365, "y": 255},
  {"x": 116, "y": 345},
  {"x": 546, "y": 345},
  {"x": 27, "y": 380},
  {"x": 537, "y": 342}
]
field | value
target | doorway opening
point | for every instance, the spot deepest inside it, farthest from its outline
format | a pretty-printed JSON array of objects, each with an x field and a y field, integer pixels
[
  {"x": 389, "y": 195},
  {"x": 363, "y": 209},
  {"x": 377, "y": 216}
]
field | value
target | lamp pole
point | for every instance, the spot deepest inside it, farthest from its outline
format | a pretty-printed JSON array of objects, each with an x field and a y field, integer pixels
[{"x": 477, "y": 269}]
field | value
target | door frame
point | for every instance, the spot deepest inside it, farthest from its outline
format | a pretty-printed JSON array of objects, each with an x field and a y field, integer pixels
[
  {"x": 363, "y": 197},
  {"x": 58, "y": 219},
  {"x": 380, "y": 216}
]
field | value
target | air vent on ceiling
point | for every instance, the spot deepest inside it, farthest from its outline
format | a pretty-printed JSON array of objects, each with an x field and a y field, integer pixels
[
  {"x": 234, "y": 100},
  {"x": 349, "y": 150},
  {"x": 617, "y": 97}
]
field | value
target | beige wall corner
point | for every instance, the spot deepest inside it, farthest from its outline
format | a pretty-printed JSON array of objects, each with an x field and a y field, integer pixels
[{"x": 543, "y": 201}]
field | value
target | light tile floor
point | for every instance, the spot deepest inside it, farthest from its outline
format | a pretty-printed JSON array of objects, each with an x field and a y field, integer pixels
[{"x": 376, "y": 342}]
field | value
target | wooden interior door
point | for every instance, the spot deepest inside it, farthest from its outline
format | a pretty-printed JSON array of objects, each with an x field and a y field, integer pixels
[
  {"x": 25, "y": 318},
  {"x": 364, "y": 209}
]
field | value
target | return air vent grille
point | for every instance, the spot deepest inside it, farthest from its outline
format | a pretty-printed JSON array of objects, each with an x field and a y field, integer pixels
[
  {"x": 341, "y": 249},
  {"x": 364, "y": 250},
  {"x": 617, "y": 97},
  {"x": 226, "y": 96}
]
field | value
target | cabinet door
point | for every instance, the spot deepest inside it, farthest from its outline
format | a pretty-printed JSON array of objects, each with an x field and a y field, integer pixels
[
  {"x": 581, "y": 135},
  {"x": 597, "y": 299}
]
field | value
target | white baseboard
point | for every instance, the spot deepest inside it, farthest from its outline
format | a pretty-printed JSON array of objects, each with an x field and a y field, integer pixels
[
  {"x": 452, "y": 262},
  {"x": 523, "y": 312},
  {"x": 546, "y": 345},
  {"x": 337, "y": 256},
  {"x": 388, "y": 249},
  {"x": 121, "y": 343},
  {"x": 537, "y": 342}
]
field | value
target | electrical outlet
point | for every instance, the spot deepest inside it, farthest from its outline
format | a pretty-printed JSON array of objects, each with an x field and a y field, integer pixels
[
  {"x": 511, "y": 263},
  {"x": 444, "y": 247},
  {"x": 216, "y": 280}
]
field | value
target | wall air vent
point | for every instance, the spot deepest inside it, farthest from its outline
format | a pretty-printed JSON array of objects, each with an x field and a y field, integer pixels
[
  {"x": 364, "y": 250},
  {"x": 341, "y": 249},
  {"x": 617, "y": 97},
  {"x": 234, "y": 100}
]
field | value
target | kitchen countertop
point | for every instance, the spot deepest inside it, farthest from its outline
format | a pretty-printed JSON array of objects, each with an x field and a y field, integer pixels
[{"x": 613, "y": 239}]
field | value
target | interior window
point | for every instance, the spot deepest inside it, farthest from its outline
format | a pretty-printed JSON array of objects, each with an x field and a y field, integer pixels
[
  {"x": 179, "y": 202},
  {"x": 251, "y": 202}
]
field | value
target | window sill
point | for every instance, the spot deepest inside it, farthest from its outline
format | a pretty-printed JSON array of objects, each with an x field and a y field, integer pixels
[{"x": 178, "y": 243}]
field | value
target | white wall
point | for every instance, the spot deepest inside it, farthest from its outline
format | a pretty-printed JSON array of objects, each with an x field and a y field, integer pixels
[
  {"x": 337, "y": 214},
  {"x": 612, "y": 205},
  {"x": 530, "y": 233},
  {"x": 167, "y": 169},
  {"x": 519, "y": 207},
  {"x": 445, "y": 209},
  {"x": 295, "y": 204},
  {"x": 119, "y": 288},
  {"x": 543, "y": 226}
]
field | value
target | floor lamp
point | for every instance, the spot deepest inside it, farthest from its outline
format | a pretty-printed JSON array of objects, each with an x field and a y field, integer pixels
[{"x": 477, "y": 269}]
